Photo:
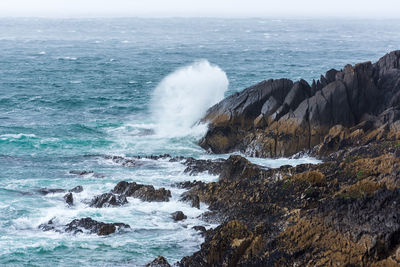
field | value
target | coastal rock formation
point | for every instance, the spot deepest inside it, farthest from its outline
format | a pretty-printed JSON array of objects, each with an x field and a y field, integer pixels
[
  {"x": 108, "y": 200},
  {"x": 84, "y": 225},
  {"x": 356, "y": 105},
  {"x": 338, "y": 213},
  {"x": 92, "y": 226},
  {"x": 143, "y": 192},
  {"x": 160, "y": 261}
]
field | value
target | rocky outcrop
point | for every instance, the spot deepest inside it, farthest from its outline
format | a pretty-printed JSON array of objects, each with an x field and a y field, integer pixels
[
  {"x": 280, "y": 118},
  {"x": 143, "y": 192},
  {"x": 108, "y": 200},
  {"x": 93, "y": 227},
  {"x": 84, "y": 225},
  {"x": 160, "y": 261}
]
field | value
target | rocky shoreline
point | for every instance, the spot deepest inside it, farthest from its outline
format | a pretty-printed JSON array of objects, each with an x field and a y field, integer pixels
[{"x": 342, "y": 212}]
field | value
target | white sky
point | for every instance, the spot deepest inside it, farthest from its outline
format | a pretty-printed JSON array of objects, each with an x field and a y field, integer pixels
[{"x": 202, "y": 8}]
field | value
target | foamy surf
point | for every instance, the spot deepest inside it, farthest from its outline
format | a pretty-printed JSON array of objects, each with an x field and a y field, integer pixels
[{"x": 183, "y": 97}]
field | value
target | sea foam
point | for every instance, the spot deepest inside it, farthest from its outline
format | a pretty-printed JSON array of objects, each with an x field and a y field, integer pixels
[{"x": 182, "y": 98}]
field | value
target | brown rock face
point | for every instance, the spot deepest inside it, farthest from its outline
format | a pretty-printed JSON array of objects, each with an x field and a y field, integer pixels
[{"x": 280, "y": 118}]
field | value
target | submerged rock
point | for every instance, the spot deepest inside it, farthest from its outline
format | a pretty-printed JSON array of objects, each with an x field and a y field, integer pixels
[
  {"x": 160, "y": 261},
  {"x": 49, "y": 226},
  {"x": 81, "y": 173},
  {"x": 45, "y": 191},
  {"x": 178, "y": 216},
  {"x": 108, "y": 200}
]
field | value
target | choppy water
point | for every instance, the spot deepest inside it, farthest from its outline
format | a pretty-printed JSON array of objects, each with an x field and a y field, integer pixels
[{"x": 72, "y": 91}]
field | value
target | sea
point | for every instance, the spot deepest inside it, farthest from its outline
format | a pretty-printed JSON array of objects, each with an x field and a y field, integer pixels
[{"x": 75, "y": 92}]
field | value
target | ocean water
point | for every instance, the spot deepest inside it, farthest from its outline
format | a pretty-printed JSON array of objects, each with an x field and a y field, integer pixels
[{"x": 73, "y": 92}]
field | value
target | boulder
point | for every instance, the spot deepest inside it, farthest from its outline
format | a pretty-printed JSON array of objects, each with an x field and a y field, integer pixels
[{"x": 178, "y": 216}]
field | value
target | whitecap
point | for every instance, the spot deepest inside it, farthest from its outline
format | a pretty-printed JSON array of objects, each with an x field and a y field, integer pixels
[{"x": 16, "y": 136}]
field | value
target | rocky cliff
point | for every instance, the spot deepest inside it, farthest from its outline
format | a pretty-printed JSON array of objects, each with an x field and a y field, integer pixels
[{"x": 353, "y": 106}]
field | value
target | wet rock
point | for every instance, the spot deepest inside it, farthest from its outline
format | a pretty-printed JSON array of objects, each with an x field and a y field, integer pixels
[
  {"x": 193, "y": 199},
  {"x": 143, "y": 192},
  {"x": 108, "y": 200},
  {"x": 94, "y": 227},
  {"x": 160, "y": 261},
  {"x": 178, "y": 216},
  {"x": 148, "y": 193},
  {"x": 280, "y": 118},
  {"x": 45, "y": 191},
  {"x": 229, "y": 243},
  {"x": 125, "y": 188},
  {"x": 188, "y": 184},
  {"x": 69, "y": 199},
  {"x": 196, "y": 166},
  {"x": 49, "y": 226},
  {"x": 76, "y": 189}
]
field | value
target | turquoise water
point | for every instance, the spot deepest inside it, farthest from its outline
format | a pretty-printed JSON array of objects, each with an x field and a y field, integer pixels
[{"x": 75, "y": 91}]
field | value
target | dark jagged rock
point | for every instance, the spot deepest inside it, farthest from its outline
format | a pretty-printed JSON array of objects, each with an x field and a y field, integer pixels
[
  {"x": 94, "y": 227},
  {"x": 108, "y": 200},
  {"x": 143, "y": 192},
  {"x": 196, "y": 166},
  {"x": 193, "y": 199},
  {"x": 280, "y": 118},
  {"x": 69, "y": 199},
  {"x": 76, "y": 189},
  {"x": 125, "y": 188},
  {"x": 45, "y": 191},
  {"x": 342, "y": 212},
  {"x": 188, "y": 184},
  {"x": 178, "y": 216},
  {"x": 160, "y": 261},
  {"x": 84, "y": 225}
]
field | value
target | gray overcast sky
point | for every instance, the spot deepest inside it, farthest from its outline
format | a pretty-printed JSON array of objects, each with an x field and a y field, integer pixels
[{"x": 208, "y": 8}]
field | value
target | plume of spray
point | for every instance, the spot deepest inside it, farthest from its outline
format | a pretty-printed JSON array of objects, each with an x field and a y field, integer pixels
[{"x": 182, "y": 98}]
